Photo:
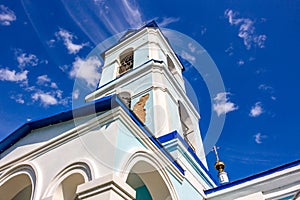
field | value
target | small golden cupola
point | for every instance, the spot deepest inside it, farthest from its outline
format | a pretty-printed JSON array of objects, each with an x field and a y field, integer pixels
[{"x": 219, "y": 165}]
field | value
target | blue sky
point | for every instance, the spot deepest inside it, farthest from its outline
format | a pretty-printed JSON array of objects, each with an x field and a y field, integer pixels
[{"x": 254, "y": 44}]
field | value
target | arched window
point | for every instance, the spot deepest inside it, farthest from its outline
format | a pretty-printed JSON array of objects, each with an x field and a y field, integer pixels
[
  {"x": 126, "y": 62},
  {"x": 17, "y": 188},
  {"x": 147, "y": 182},
  {"x": 171, "y": 65},
  {"x": 67, "y": 188}
]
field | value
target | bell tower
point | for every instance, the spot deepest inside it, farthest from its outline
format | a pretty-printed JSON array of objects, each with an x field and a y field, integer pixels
[{"x": 144, "y": 71}]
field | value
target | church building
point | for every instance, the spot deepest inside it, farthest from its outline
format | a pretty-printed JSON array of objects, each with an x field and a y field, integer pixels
[{"x": 137, "y": 137}]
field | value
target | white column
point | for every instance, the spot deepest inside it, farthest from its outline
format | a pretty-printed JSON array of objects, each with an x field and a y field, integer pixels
[{"x": 109, "y": 187}]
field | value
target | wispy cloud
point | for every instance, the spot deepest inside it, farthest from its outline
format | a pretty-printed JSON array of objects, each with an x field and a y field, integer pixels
[
  {"x": 259, "y": 137},
  {"x": 68, "y": 38},
  {"x": 268, "y": 89},
  {"x": 246, "y": 30},
  {"x": 265, "y": 87},
  {"x": 222, "y": 105},
  {"x": 46, "y": 81},
  {"x": 7, "y": 16},
  {"x": 229, "y": 50},
  {"x": 87, "y": 70},
  {"x": 192, "y": 48},
  {"x": 49, "y": 98},
  {"x": 18, "y": 98},
  {"x": 241, "y": 62},
  {"x": 75, "y": 94},
  {"x": 256, "y": 110},
  {"x": 167, "y": 20},
  {"x": 13, "y": 76},
  {"x": 203, "y": 30},
  {"x": 185, "y": 55},
  {"x": 46, "y": 99},
  {"x": 132, "y": 13},
  {"x": 26, "y": 59}
]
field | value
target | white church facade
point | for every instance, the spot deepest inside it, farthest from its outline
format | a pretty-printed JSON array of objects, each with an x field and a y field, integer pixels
[{"x": 136, "y": 138}]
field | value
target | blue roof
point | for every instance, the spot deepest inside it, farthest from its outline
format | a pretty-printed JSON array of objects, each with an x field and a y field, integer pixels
[
  {"x": 102, "y": 104},
  {"x": 176, "y": 135},
  {"x": 255, "y": 176}
]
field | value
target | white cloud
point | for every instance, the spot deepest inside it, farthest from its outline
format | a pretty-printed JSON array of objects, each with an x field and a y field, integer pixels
[
  {"x": 6, "y": 16},
  {"x": 229, "y": 50},
  {"x": 46, "y": 99},
  {"x": 13, "y": 76},
  {"x": 259, "y": 137},
  {"x": 167, "y": 20},
  {"x": 53, "y": 85},
  {"x": 75, "y": 94},
  {"x": 25, "y": 59},
  {"x": 203, "y": 30},
  {"x": 273, "y": 98},
  {"x": 241, "y": 62},
  {"x": 265, "y": 87},
  {"x": 222, "y": 105},
  {"x": 67, "y": 38},
  {"x": 256, "y": 110},
  {"x": 246, "y": 30},
  {"x": 49, "y": 98},
  {"x": 131, "y": 13},
  {"x": 64, "y": 68},
  {"x": 87, "y": 70},
  {"x": 46, "y": 81},
  {"x": 185, "y": 55},
  {"x": 192, "y": 48},
  {"x": 43, "y": 79},
  {"x": 18, "y": 98}
]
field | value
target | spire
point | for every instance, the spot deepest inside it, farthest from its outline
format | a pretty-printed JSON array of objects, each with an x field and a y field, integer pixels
[{"x": 219, "y": 165}]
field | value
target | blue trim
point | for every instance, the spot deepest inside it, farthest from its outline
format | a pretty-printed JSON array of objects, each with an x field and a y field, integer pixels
[
  {"x": 176, "y": 135},
  {"x": 255, "y": 176},
  {"x": 156, "y": 61},
  {"x": 103, "y": 104}
]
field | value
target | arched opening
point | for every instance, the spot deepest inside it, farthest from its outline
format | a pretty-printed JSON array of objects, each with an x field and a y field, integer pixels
[
  {"x": 126, "y": 62},
  {"x": 67, "y": 188},
  {"x": 126, "y": 98},
  {"x": 187, "y": 126},
  {"x": 171, "y": 65},
  {"x": 147, "y": 182},
  {"x": 17, "y": 188}
]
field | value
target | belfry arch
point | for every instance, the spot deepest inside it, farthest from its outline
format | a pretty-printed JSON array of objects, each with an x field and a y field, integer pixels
[{"x": 149, "y": 179}]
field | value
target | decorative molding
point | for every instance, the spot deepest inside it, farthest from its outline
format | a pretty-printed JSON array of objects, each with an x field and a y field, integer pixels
[{"x": 110, "y": 184}]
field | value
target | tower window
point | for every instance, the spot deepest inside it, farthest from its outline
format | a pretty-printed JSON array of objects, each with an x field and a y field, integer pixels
[
  {"x": 187, "y": 126},
  {"x": 126, "y": 63}
]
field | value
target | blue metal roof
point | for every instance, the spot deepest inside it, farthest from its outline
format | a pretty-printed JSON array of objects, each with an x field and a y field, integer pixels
[
  {"x": 255, "y": 176},
  {"x": 102, "y": 104},
  {"x": 176, "y": 135}
]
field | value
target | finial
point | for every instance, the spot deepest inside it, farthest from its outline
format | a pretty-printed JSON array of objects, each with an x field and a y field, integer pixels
[{"x": 219, "y": 165}]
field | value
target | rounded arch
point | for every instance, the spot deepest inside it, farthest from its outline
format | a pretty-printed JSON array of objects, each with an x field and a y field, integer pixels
[
  {"x": 187, "y": 126},
  {"x": 18, "y": 183},
  {"x": 171, "y": 65},
  {"x": 126, "y": 60},
  {"x": 144, "y": 171},
  {"x": 64, "y": 184}
]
